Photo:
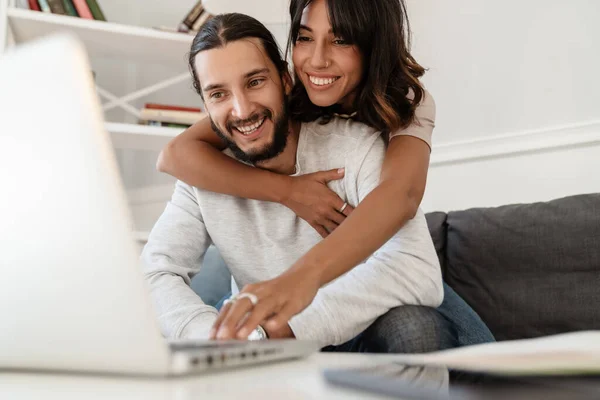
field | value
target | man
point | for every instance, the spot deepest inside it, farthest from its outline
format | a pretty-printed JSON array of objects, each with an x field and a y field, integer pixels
[{"x": 244, "y": 83}]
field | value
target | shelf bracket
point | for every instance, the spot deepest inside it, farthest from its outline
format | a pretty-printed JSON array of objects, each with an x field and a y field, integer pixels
[
  {"x": 118, "y": 102},
  {"x": 122, "y": 101}
]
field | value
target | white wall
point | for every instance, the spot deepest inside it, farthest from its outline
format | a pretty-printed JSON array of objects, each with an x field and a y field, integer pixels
[
  {"x": 510, "y": 76},
  {"x": 499, "y": 67},
  {"x": 531, "y": 166}
]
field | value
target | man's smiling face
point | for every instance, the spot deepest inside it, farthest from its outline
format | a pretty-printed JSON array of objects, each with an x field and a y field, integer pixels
[{"x": 245, "y": 98}]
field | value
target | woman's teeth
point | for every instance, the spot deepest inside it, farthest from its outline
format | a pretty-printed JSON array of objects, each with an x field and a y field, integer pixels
[
  {"x": 322, "y": 81},
  {"x": 248, "y": 129}
]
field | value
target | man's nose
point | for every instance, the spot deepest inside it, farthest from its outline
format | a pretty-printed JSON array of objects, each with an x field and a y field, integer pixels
[{"x": 243, "y": 108}]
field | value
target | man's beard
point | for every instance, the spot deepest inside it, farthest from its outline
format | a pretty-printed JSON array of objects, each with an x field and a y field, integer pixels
[{"x": 268, "y": 151}]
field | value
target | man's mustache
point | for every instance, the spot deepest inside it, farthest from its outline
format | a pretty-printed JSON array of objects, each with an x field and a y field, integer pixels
[{"x": 250, "y": 120}]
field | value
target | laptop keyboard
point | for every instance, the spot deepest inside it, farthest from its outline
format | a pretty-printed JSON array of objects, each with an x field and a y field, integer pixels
[
  {"x": 183, "y": 346},
  {"x": 210, "y": 355}
]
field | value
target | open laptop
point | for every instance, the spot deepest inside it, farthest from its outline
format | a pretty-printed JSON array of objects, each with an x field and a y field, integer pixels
[{"x": 72, "y": 294}]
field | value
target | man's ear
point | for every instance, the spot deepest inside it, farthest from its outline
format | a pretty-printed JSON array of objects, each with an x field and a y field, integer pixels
[{"x": 288, "y": 83}]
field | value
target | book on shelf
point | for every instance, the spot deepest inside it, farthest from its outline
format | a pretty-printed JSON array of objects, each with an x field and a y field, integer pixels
[
  {"x": 57, "y": 7},
  {"x": 87, "y": 9},
  {"x": 191, "y": 17},
  {"x": 166, "y": 124},
  {"x": 44, "y": 6},
  {"x": 192, "y": 22},
  {"x": 33, "y": 5},
  {"x": 170, "y": 116},
  {"x": 70, "y": 8},
  {"x": 156, "y": 106},
  {"x": 83, "y": 10},
  {"x": 201, "y": 20},
  {"x": 96, "y": 10}
]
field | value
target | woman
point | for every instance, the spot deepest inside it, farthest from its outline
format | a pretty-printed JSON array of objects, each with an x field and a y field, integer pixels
[{"x": 345, "y": 65}]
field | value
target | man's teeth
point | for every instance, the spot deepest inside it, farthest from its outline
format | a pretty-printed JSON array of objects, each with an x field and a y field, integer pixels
[
  {"x": 248, "y": 129},
  {"x": 322, "y": 81}
]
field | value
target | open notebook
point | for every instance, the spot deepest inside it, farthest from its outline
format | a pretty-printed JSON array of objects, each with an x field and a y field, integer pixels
[{"x": 569, "y": 353}]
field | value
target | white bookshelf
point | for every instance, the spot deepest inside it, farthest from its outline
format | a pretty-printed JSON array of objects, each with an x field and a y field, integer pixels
[
  {"x": 140, "y": 137},
  {"x": 104, "y": 38},
  {"x": 119, "y": 41}
]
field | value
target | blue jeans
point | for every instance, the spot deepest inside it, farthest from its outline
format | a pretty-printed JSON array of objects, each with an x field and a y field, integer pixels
[
  {"x": 470, "y": 329},
  {"x": 418, "y": 329},
  {"x": 405, "y": 329}
]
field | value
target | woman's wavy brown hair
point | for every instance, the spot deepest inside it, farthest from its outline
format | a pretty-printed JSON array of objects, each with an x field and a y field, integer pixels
[{"x": 381, "y": 31}]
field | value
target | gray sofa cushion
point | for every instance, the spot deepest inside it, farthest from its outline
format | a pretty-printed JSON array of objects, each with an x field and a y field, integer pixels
[
  {"x": 438, "y": 228},
  {"x": 530, "y": 269}
]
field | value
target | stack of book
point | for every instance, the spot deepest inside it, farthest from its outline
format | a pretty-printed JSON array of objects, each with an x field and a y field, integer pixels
[
  {"x": 192, "y": 22},
  {"x": 88, "y": 9},
  {"x": 169, "y": 115},
  {"x": 194, "y": 19}
]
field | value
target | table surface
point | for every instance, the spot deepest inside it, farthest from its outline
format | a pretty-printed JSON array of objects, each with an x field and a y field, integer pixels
[{"x": 289, "y": 380}]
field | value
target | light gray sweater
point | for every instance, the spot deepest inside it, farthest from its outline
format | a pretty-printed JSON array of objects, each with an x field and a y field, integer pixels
[{"x": 259, "y": 240}]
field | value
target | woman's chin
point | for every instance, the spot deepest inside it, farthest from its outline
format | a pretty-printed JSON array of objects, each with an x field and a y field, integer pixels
[{"x": 323, "y": 100}]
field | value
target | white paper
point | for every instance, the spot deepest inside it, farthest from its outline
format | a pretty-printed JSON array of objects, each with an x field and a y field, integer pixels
[{"x": 570, "y": 353}]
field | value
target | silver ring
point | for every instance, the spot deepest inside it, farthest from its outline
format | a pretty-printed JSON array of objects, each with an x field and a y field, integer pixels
[
  {"x": 252, "y": 297},
  {"x": 343, "y": 208}
]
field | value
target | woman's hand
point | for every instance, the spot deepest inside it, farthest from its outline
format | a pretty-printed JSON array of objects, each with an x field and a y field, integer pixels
[
  {"x": 314, "y": 202},
  {"x": 279, "y": 300}
]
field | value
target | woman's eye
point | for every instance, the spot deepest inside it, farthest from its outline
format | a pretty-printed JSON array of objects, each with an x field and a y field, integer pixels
[
  {"x": 340, "y": 42},
  {"x": 303, "y": 39}
]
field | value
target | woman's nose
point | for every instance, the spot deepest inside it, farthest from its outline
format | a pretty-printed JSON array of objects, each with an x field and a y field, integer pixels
[{"x": 319, "y": 57}]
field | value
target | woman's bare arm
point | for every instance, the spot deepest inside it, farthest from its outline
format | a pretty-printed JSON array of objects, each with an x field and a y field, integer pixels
[
  {"x": 195, "y": 157},
  {"x": 379, "y": 216},
  {"x": 387, "y": 208}
]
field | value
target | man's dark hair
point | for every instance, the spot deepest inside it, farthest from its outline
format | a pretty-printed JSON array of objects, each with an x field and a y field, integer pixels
[
  {"x": 225, "y": 28},
  {"x": 380, "y": 30}
]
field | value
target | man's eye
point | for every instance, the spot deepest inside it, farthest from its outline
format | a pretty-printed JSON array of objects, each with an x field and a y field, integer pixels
[
  {"x": 216, "y": 95},
  {"x": 255, "y": 82}
]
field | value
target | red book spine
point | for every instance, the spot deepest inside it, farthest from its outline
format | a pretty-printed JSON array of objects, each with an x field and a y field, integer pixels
[
  {"x": 83, "y": 9},
  {"x": 154, "y": 106},
  {"x": 33, "y": 5}
]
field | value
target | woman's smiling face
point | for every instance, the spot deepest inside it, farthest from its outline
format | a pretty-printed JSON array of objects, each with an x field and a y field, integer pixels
[{"x": 329, "y": 68}]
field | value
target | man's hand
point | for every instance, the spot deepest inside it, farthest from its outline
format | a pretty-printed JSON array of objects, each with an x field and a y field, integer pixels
[
  {"x": 279, "y": 300},
  {"x": 285, "y": 332}
]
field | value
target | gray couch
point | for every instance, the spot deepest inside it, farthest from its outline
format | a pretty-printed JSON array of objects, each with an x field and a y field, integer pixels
[{"x": 528, "y": 270}]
